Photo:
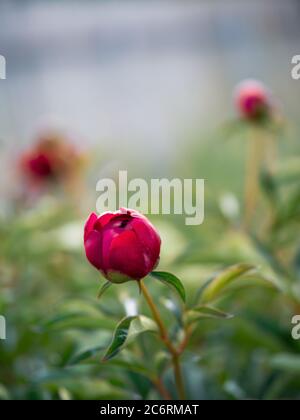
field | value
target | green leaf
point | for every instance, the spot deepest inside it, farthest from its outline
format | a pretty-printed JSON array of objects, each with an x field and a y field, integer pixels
[
  {"x": 60, "y": 318},
  {"x": 103, "y": 289},
  {"x": 287, "y": 362},
  {"x": 90, "y": 356},
  {"x": 223, "y": 279},
  {"x": 269, "y": 186},
  {"x": 131, "y": 367},
  {"x": 268, "y": 254},
  {"x": 255, "y": 280},
  {"x": 204, "y": 311},
  {"x": 126, "y": 331},
  {"x": 75, "y": 320},
  {"x": 161, "y": 361},
  {"x": 85, "y": 355},
  {"x": 171, "y": 281},
  {"x": 4, "y": 394}
]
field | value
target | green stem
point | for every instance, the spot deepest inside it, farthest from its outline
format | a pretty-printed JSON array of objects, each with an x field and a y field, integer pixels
[
  {"x": 178, "y": 377},
  {"x": 165, "y": 338},
  {"x": 253, "y": 163}
]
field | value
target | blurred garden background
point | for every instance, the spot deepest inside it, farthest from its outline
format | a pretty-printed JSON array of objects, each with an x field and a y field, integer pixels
[{"x": 147, "y": 87}]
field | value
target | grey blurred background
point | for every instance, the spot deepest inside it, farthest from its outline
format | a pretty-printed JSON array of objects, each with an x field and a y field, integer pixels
[{"x": 136, "y": 77}]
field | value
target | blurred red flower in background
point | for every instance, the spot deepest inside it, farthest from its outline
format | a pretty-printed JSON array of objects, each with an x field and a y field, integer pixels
[
  {"x": 51, "y": 158},
  {"x": 253, "y": 100}
]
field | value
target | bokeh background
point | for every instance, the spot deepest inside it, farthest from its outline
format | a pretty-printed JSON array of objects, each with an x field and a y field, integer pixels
[{"x": 145, "y": 86}]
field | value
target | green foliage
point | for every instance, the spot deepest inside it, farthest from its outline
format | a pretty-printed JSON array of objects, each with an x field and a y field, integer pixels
[
  {"x": 215, "y": 287},
  {"x": 170, "y": 280},
  {"x": 203, "y": 311},
  {"x": 236, "y": 290},
  {"x": 103, "y": 289},
  {"x": 127, "y": 330}
]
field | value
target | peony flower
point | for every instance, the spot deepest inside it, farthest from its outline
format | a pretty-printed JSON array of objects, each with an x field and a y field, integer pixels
[
  {"x": 253, "y": 100},
  {"x": 123, "y": 245},
  {"x": 50, "y": 158},
  {"x": 38, "y": 165}
]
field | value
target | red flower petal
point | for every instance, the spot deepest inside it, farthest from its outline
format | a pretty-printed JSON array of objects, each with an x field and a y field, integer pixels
[
  {"x": 93, "y": 248},
  {"x": 126, "y": 256},
  {"x": 104, "y": 219},
  {"x": 89, "y": 224},
  {"x": 149, "y": 240}
]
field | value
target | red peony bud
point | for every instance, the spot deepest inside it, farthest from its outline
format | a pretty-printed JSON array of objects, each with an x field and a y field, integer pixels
[
  {"x": 123, "y": 245},
  {"x": 39, "y": 165},
  {"x": 253, "y": 100},
  {"x": 50, "y": 158}
]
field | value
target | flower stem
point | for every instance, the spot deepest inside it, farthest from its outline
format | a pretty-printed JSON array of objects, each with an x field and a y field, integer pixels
[
  {"x": 252, "y": 176},
  {"x": 270, "y": 152},
  {"x": 157, "y": 382},
  {"x": 165, "y": 338},
  {"x": 178, "y": 376},
  {"x": 155, "y": 313}
]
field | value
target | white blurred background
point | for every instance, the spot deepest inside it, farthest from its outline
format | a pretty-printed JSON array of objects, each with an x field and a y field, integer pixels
[{"x": 135, "y": 77}]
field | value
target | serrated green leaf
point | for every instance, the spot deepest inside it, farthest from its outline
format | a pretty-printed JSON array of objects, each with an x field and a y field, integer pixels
[
  {"x": 126, "y": 331},
  {"x": 103, "y": 289},
  {"x": 204, "y": 311},
  {"x": 171, "y": 281},
  {"x": 223, "y": 279}
]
